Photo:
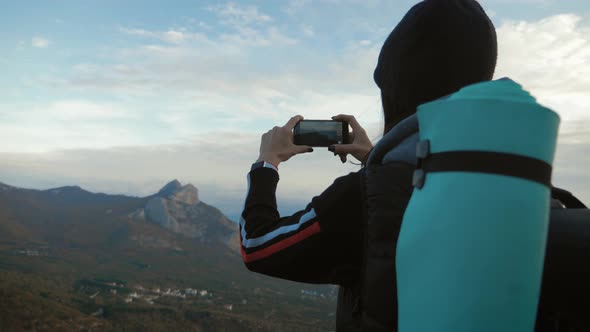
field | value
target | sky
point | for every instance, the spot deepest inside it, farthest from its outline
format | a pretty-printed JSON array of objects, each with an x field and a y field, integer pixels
[{"x": 124, "y": 96}]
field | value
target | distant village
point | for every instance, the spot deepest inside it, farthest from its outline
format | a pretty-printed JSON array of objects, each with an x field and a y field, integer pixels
[
  {"x": 149, "y": 295},
  {"x": 43, "y": 251},
  {"x": 138, "y": 294},
  {"x": 146, "y": 295}
]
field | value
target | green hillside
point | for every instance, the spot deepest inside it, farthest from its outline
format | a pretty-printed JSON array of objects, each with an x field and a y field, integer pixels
[{"x": 71, "y": 260}]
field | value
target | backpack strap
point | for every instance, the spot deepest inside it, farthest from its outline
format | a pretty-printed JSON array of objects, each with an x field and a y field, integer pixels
[
  {"x": 567, "y": 198},
  {"x": 480, "y": 162}
]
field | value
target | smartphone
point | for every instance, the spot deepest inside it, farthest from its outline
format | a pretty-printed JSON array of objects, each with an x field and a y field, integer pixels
[{"x": 320, "y": 132}]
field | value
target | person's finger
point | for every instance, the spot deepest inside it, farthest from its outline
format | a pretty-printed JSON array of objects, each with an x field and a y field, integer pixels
[
  {"x": 302, "y": 149},
  {"x": 343, "y": 158},
  {"x": 350, "y": 119},
  {"x": 293, "y": 121},
  {"x": 344, "y": 149}
]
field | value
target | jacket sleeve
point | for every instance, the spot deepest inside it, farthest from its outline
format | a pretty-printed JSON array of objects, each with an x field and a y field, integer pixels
[{"x": 319, "y": 244}]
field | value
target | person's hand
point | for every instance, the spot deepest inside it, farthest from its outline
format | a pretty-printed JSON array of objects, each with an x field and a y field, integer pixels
[
  {"x": 359, "y": 144},
  {"x": 277, "y": 146}
]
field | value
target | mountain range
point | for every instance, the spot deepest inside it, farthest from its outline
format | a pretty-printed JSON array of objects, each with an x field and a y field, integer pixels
[{"x": 71, "y": 259}]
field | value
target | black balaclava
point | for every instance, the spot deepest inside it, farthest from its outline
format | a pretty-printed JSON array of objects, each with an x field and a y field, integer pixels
[{"x": 437, "y": 48}]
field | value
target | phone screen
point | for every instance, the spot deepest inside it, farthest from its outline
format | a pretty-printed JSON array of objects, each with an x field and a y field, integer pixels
[{"x": 320, "y": 132}]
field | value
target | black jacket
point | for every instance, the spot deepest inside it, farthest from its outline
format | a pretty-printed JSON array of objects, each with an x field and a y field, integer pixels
[
  {"x": 387, "y": 184},
  {"x": 319, "y": 244}
]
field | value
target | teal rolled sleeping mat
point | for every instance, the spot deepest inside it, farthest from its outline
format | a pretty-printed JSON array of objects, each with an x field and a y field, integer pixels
[{"x": 471, "y": 247}]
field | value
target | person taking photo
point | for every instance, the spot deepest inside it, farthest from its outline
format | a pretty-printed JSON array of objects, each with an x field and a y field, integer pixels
[{"x": 347, "y": 235}]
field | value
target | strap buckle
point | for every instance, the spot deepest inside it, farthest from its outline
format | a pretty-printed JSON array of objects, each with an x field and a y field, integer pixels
[{"x": 422, "y": 152}]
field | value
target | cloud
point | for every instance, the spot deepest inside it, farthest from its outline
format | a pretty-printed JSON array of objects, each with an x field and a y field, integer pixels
[
  {"x": 235, "y": 15},
  {"x": 551, "y": 55},
  {"x": 551, "y": 58},
  {"x": 170, "y": 36},
  {"x": 65, "y": 124},
  {"x": 247, "y": 36},
  {"x": 228, "y": 81},
  {"x": 571, "y": 167},
  {"x": 293, "y": 6},
  {"x": 308, "y": 30},
  {"x": 248, "y": 26},
  {"x": 40, "y": 42},
  {"x": 74, "y": 110},
  {"x": 201, "y": 73}
]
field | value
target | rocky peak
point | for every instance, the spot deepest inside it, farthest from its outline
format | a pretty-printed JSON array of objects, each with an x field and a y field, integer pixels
[
  {"x": 177, "y": 208},
  {"x": 169, "y": 189},
  {"x": 174, "y": 191},
  {"x": 188, "y": 194}
]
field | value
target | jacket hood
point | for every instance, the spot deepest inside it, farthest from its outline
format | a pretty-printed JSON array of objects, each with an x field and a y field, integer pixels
[{"x": 438, "y": 47}]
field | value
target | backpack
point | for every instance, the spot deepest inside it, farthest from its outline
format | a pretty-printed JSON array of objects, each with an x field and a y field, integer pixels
[{"x": 565, "y": 290}]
